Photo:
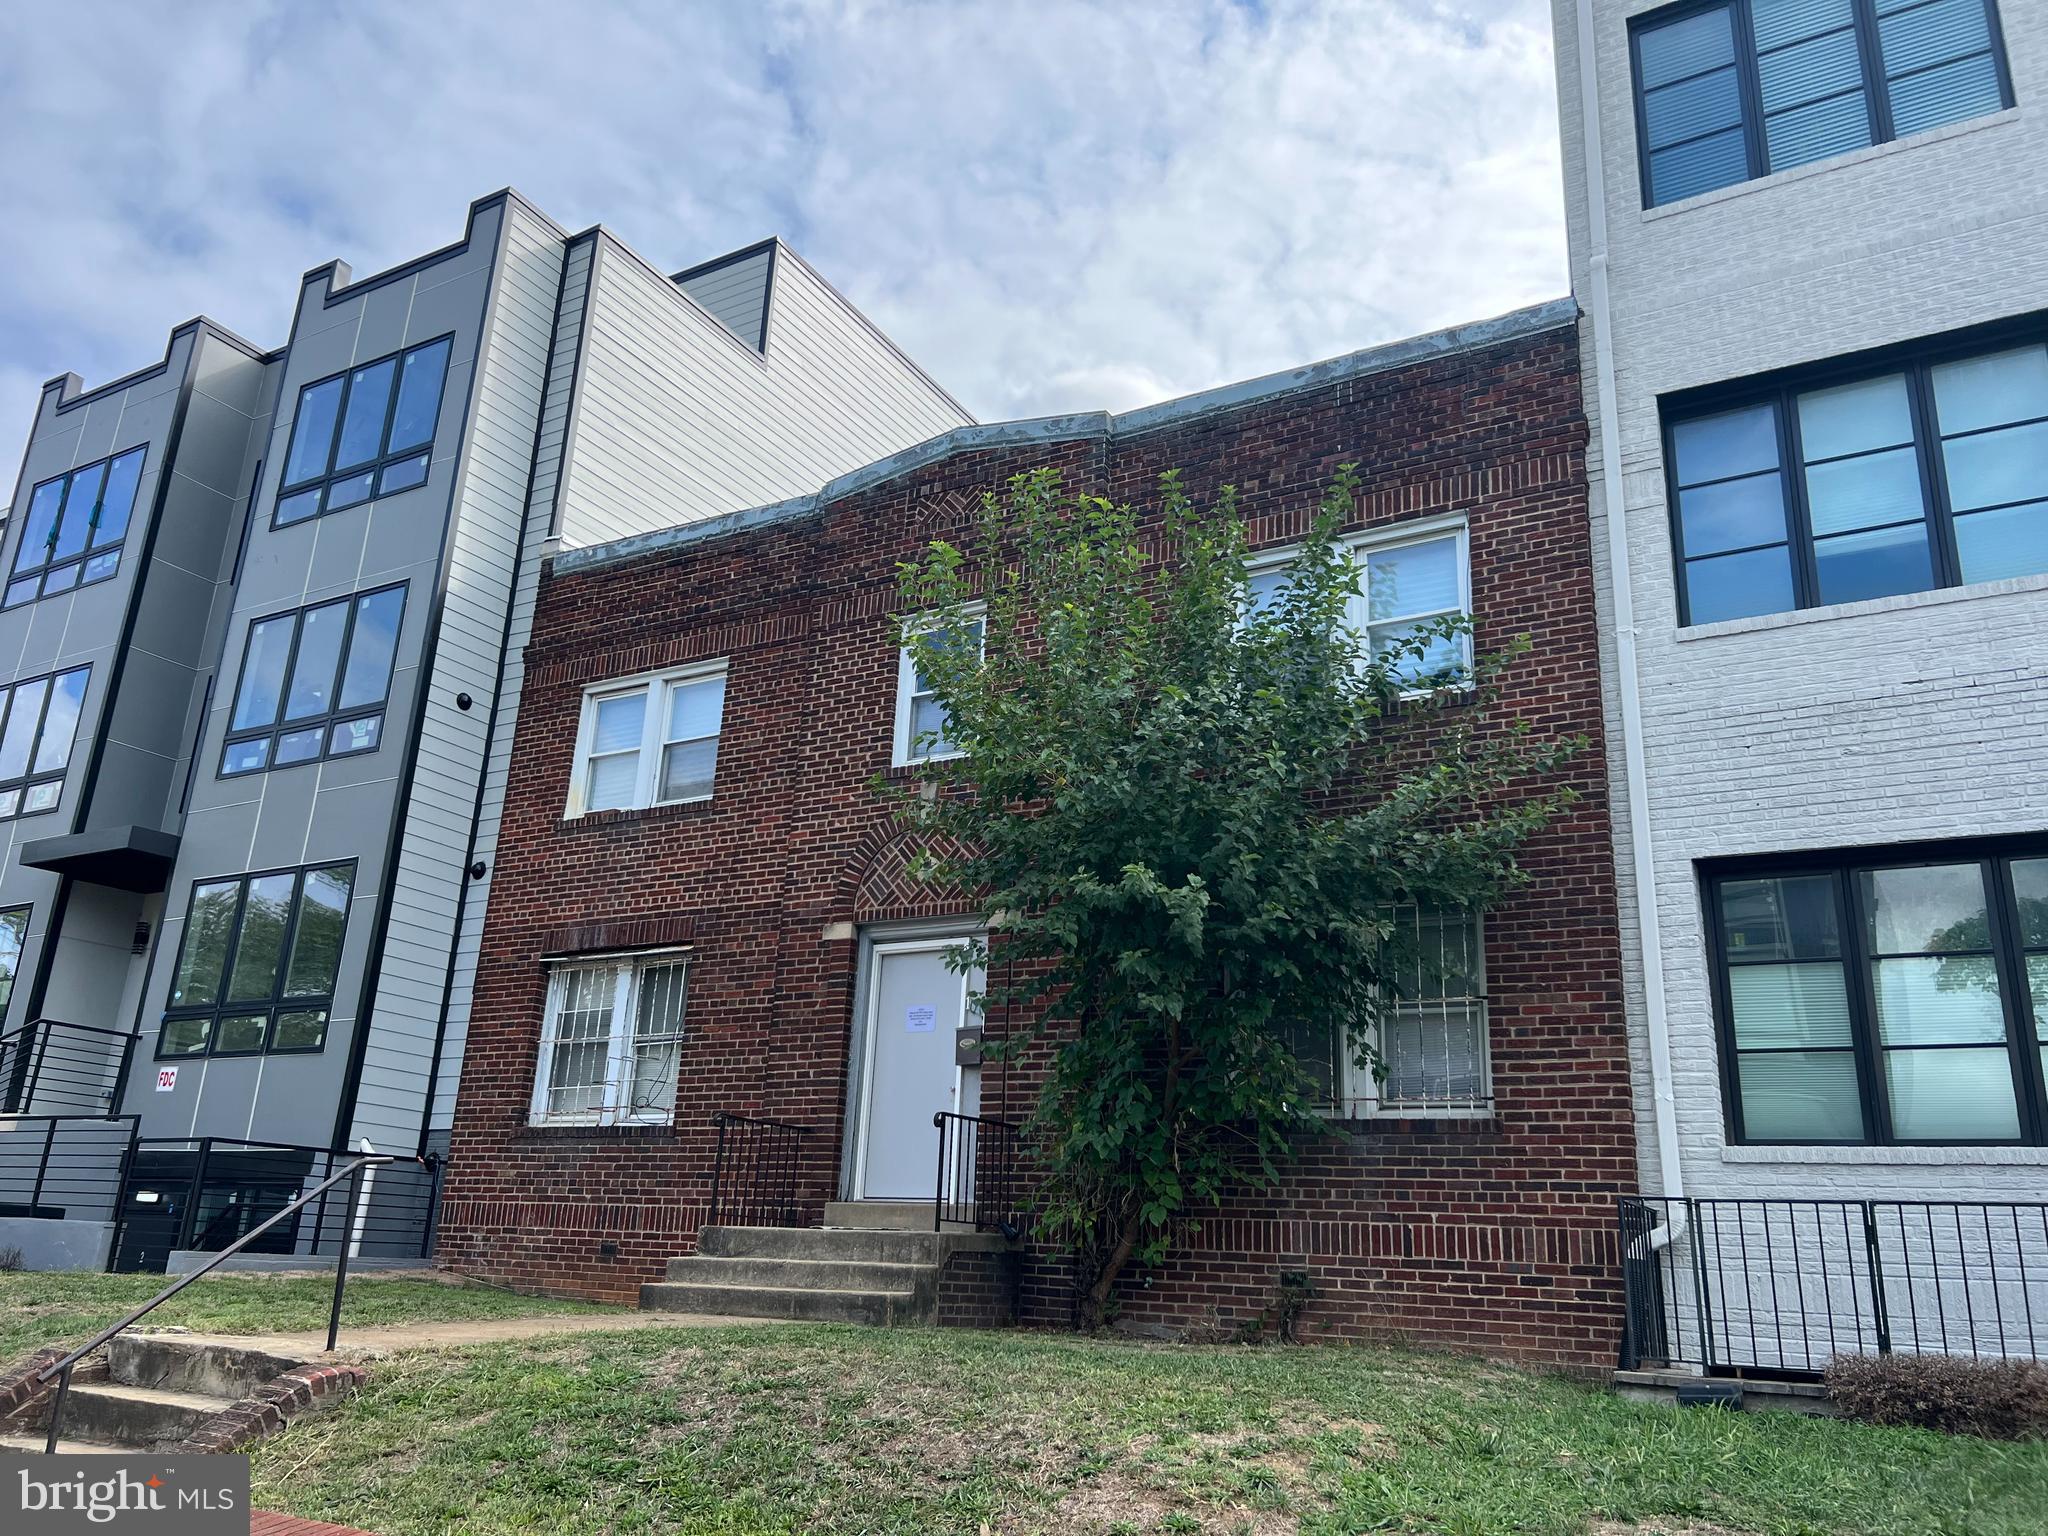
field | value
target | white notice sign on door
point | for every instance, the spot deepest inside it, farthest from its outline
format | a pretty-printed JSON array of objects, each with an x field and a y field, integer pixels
[{"x": 920, "y": 1019}]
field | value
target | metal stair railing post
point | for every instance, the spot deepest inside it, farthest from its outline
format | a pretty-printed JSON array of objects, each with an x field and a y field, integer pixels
[
  {"x": 63, "y": 1368},
  {"x": 1631, "y": 1350},
  {"x": 188, "y": 1219},
  {"x": 437, "y": 1170},
  {"x": 978, "y": 1162},
  {"x": 13, "y": 1072},
  {"x": 1880, "y": 1315},
  {"x": 341, "y": 1254},
  {"x": 717, "y": 1170},
  {"x": 121, "y": 1073},
  {"x": 35, "y": 1194},
  {"x": 38, "y": 1049}
]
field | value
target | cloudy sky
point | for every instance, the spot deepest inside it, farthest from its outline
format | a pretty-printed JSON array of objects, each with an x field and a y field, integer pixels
[{"x": 1052, "y": 206}]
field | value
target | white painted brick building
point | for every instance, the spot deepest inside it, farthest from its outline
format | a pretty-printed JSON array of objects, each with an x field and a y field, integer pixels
[{"x": 1872, "y": 723}]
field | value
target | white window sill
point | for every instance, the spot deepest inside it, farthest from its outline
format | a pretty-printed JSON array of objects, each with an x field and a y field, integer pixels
[
  {"x": 1893, "y": 1157},
  {"x": 597, "y": 1127},
  {"x": 1834, "y": 163},
  {"x": 1934, "y": 598},
  {"x": 635, "y": 810}
]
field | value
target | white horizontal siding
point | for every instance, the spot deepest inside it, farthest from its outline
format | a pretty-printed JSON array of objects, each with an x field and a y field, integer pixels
[
  {"x": 677, "y": 421},
  {"x": 540, "y": 505},
  {"x": 434, "y": 844},
  {"x": 735, "y": 293}
]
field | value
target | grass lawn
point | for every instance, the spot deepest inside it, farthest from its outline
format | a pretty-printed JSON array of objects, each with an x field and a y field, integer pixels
[
  {"x": 820, "y": 1429},
  {"x": 40, "y": 1307}
]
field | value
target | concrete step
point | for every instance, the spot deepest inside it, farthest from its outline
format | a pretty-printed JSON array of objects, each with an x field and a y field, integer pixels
[
  {"x": 22, "y": 1443},
  {"x": 851, "y": 1245},
  {"x": 136, "y": 1417},
  {"x": 188, "y": 1363},
  {"x": 877, "y": 1308},
  {"x": 880, "y": 1215},
  {"x": 798, "y": 1274}
]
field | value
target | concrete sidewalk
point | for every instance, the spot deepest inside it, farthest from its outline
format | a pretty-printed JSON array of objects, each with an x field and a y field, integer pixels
[{"x": 369, "y": 1343}]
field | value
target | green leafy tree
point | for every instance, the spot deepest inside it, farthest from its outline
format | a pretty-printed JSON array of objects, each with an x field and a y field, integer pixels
[{"x": 1190, "y": 818}]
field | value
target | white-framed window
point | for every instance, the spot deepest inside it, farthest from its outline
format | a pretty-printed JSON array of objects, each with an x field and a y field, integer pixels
[
  {"x": 650, "y": 740},
  {"x": 1413, "y": 576},
  {"x": 920, "y": 718},
  {"x": 1433, "y": 1043},
  {"x": 611, "y": 1041}
]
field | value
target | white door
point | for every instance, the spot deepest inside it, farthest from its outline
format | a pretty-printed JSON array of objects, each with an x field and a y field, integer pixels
[{"x": 915, "y": 1008}]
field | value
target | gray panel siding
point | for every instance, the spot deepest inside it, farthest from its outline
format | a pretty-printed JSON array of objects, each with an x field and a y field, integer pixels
[
  {"x": 735, "y": 293},
  {"x": 552, "y": 440},
  {"x": 676, "y": 420},
  {"x": 490, "y": 516},
  {"x": 133, "y": 727},
  {"x": 340, "y": 809}
]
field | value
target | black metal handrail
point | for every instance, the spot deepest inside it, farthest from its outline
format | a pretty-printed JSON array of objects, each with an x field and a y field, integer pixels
[
  {"x": 1781, "y": 1287},
  {"x": 213, "y": 1189},
  {"x": 980, "y": 1170},
  {"x": 62, "y": 1369},
  {"x": 754, "y": 1175},
  {"x": 51, "y": 1066},
  {"x": 53, "y": 1166}
]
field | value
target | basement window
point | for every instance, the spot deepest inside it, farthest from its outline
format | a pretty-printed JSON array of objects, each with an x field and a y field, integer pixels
[{"x": 611, "y": 1042}]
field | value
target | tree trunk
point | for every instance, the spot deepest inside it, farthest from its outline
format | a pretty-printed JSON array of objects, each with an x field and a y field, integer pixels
[{"x": 1095, "y": 1305}]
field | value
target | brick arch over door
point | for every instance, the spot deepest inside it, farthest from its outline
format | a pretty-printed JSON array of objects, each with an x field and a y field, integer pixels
[{"x": 878, "y": 885}]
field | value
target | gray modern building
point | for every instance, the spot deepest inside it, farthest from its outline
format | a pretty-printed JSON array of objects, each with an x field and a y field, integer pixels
[
  {"x": 260, "y": 639},
  {"x": 1808, "y": 241}
]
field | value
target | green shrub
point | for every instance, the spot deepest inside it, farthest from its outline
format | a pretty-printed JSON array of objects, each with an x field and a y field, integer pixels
[{"x": 1964, "y": 1395}]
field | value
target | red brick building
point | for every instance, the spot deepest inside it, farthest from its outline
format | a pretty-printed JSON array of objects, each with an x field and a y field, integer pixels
[{"x": 743, "y": 943}]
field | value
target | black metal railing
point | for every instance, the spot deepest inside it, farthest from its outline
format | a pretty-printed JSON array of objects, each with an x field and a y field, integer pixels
[
  {"x": 64, "y": 1167},
  {"x": 354, "y": 1172},
  {"x": 1781, "y": 1287},
  {"x": 980, "y": 1182},
  {"x": 754, "y": 1176},
  {"x": 53, "y": 1068},
  {"x": 212, "y": 1193}
]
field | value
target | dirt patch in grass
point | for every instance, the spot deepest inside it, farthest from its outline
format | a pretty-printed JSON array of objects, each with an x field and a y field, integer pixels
[{"x": 1119, "y": 1503}]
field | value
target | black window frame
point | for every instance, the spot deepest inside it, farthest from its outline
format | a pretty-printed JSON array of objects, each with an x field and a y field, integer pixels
[
  {"x": 375, "y": 466},
  {"x": 26, "y": 912},
  {"x": 1781, "y": 389},
  {"x": 1876, "y": 89},
  {"x": 2008, "y": 948},
  {"x": 279, "y": 1001},
  {"x": 30, "y": 778},
  {"x": 335, "y": 715},
  {"x": 40, "y": 574}
]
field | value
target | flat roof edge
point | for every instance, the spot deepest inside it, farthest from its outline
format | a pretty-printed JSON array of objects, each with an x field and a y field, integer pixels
[{"x": 1532, "y": 320}]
